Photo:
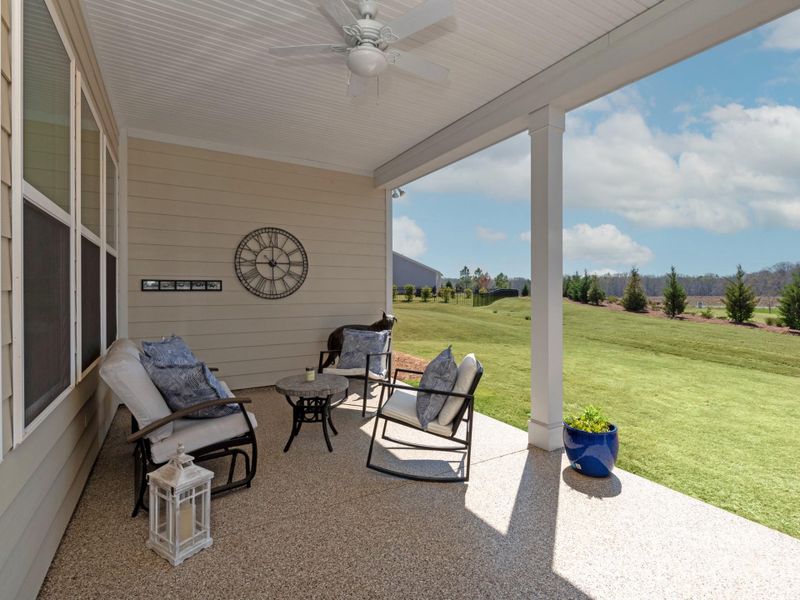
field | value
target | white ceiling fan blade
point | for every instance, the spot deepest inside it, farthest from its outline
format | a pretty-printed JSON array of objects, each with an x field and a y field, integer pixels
[
  {"x": 420, "y": 17},
  {"x": 421, "y": 67},
  {"x": 357, "y": 86},
  {"x": 303, "y": 50},
  {"x": 339, "y": 11}
]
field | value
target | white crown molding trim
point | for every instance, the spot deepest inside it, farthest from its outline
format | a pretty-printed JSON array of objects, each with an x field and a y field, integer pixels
[{"x": 178, "y": 140}]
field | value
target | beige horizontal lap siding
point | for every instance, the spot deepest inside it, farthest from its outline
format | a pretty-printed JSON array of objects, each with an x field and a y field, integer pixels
[
  {"x": 43, "y": 477},
  {"x": 188, "y": 209}
]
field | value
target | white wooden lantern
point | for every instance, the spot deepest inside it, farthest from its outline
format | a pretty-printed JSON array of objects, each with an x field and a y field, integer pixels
[{"x": 180, "y": 508}]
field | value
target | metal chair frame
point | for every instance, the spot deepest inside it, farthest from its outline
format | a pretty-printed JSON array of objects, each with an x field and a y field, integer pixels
[
  {"x": 368, "y": 381},
  {"x": 143, "y": 462},
  {"x": 465, "y": 414}
]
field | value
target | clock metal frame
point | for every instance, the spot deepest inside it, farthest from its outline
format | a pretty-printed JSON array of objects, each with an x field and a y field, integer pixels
[{"x": 271, "y": 263}]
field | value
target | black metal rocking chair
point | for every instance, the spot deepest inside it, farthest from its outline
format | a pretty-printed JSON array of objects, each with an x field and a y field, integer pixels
[
  {"x": 143, "y": 462},
  {"x": 464, "y": 415}
]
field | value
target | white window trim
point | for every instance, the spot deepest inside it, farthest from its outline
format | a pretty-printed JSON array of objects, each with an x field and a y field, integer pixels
[
  {"x": 82, "y": 94},
  {"x": 108, "y": 249},
  {"x": 22, "y": 191}
]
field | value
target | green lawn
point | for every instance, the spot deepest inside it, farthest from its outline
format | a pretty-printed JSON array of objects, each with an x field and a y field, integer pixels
[
  {"x": 709, "y": 410},
  {"x": 760, "y": 316}
]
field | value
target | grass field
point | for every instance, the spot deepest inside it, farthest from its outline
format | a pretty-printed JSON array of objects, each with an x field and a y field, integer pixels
[
  {"x": 760, "y": 316},
  {"x": 709, "y": 410}
]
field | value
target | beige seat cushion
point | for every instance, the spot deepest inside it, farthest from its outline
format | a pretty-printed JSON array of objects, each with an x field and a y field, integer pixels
[
  {"x": 197, "y": 433},
  {"x": 357, "y": 372},
  {"x": 131, "y": 384},
  {"x": 467, "y": 371},
  {"x": 402, "y": 405}
]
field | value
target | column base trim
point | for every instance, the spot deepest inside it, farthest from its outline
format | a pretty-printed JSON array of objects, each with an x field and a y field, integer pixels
[{"x": 545, "y": 436}]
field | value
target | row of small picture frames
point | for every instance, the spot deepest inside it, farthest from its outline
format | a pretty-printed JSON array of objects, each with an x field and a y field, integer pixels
[{"x": 181, "y": 285}]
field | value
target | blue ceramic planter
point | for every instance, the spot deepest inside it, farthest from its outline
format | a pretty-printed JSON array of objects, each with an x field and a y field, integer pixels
[{"x": 592, "y": 454}]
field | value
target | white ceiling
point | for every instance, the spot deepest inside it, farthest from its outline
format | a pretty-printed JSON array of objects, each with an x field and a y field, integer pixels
[{"x": 199, "y": 69}]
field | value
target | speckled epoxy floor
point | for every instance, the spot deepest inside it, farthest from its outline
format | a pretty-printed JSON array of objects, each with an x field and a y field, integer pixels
[{"x": 320, "y": 525}]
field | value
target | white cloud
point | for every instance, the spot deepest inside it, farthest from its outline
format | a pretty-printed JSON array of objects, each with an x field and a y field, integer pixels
[
  {"x": 604, "y": 244},
  {"x": 784, "y": 34},
  {"x": 408, "y": 238},
  {"x": 728, "y": 169},
  {"x": 490, "y": 235},
  {"x": 501, "y": 172},
  {"x": 742, "y": 173}
]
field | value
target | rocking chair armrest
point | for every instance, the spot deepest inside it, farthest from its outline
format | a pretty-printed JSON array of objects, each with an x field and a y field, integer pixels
[
  {"x": 179, "y": 414},
  {"x": 428, "y": 390}
]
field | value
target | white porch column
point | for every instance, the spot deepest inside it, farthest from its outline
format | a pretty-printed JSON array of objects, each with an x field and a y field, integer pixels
[{"x": 546, "y": 128}]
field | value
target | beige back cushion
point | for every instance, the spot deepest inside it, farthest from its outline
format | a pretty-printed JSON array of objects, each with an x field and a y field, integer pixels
[
  {"x": 124, "y": 345},
  {"x": 126, "y": 377},
  {"x": 466, "y": 375}
]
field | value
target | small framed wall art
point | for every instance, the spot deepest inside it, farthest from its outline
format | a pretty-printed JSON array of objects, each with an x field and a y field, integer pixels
[{"x": 181, "y": 285}]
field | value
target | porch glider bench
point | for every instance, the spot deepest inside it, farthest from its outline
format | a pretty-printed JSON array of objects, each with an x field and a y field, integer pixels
[
  {"x": 401, "y": 409},
  {"x": 157, "y": 431}
]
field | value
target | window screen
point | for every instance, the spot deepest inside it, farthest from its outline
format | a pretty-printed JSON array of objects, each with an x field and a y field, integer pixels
[
  {"x": 45, "y": 106},
  {"x": 111, "y": 299},
  {"x": 90, "y": 169},
  {"x": 46, "y": 301},
  {"x": 111, "y": 202},
  {"x": 90, "y": 303}
]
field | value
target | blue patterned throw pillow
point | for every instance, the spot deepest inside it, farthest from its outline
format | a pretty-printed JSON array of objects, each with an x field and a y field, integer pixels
[
  {"x": 439, "y": 375},
  {"x": 184, "y": 386},
  {"x": 170, "y": 351},
  {"x": 357, "y": 344}
]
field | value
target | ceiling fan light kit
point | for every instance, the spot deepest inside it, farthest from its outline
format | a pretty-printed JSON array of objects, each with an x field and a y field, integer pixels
[
  {"x": 367, "y": 49},
  {"x": 367, "y": 61}
]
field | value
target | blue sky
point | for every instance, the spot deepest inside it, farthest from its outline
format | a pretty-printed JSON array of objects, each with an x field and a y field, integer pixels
[{"x": 696, "y": 166}]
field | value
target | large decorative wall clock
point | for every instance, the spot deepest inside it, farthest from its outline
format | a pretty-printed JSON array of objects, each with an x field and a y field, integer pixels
[{"x": 271, "y": 263}]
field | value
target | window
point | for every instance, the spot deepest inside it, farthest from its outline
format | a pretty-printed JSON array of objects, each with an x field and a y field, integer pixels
[
  {"x": 46, "y": 213},
  {"x": 90, "y": 303},
  {"x": 46, "y": 106},
  {"x": 90, "y": 169},
  {"x": 90, "y": 242},
  {"x": 111, "y": 201},
  {"x": 64, "y": 220},
  {"x": 47, "y": 323},
  {"x": 111, "y": 299},
  {"x": 111, "y": 245}
]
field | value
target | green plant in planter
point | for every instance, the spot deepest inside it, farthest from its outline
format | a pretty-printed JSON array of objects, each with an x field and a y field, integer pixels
[{"x": 591, "y": 419}]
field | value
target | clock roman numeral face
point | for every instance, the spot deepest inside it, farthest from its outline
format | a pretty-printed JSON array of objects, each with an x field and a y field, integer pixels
[{"x": 271, "y": 263}]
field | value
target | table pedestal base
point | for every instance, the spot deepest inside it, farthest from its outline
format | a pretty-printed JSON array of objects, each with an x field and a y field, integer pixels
[{"x": 311, "y": 410}]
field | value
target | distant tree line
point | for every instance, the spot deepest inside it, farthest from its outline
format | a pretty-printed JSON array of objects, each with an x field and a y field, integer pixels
[
  {"x": 766, "y": 282},
  {"x": 739, "y": 295},
  {"x": 481, "y": 281}
]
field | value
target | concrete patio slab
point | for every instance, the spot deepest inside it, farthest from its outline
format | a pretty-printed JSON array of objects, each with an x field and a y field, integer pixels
[{"x": 321, "y": 525}]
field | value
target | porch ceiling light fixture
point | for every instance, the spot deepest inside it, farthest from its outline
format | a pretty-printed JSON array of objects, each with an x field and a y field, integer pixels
[
  {"x": 366, "y": 42},
  {"x": 367, "y": 61}
]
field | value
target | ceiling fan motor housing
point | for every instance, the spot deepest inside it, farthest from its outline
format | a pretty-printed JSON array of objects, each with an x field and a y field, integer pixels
[{"x": 368, "y": 8}]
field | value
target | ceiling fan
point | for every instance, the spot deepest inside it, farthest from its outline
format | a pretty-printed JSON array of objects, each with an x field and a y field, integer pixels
[{"x": 367, "y": 41}]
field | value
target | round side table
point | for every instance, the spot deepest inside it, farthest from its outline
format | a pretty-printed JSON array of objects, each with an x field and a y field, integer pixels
[{"x": 311, "y": 401}]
